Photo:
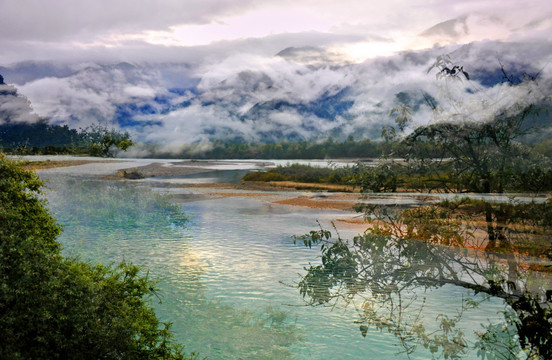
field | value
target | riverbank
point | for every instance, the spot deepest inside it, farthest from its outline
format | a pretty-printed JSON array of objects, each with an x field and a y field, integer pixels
[
  {"x": 179, "y": 180},
  {"x": 168, "y": 175},
  {"x": 51, "y": 164},
  {"x": 237, "y": 250}
]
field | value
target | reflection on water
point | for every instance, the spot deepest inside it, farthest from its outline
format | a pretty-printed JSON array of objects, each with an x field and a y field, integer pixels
[
  {"x": 106, "y": 222},
  {"x": 222, "y": 271}
]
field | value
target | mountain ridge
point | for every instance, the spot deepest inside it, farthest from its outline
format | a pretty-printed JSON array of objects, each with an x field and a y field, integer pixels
[{"x": 280, "y": 99}]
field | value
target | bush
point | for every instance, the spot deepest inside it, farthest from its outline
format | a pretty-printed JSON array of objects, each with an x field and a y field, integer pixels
[
  {"x": 300, "y": 173},
  {"x": 382, "y": 178},
  {"x": 53, "y": 307}
]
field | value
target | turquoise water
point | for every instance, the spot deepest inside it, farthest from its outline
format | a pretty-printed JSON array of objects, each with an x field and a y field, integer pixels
[{"x": 227, "y": 271}]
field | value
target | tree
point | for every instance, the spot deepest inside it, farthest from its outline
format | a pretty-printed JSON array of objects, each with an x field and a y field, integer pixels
[
  {"x": 385, "y": 275},
  {"x": 406, "y": 252},
  {"x": 477, "y": 151},
  {"x": 478, "y": 157},
  {"x": 55, "y": 307},
  {"x": 102, "y": 141},
  {"x": 474, "y": 144}
]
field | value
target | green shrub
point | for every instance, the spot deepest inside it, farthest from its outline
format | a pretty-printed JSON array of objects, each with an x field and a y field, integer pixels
[
  {"x": 301, "y": 173},
  {"x": 52, "y": 307}
]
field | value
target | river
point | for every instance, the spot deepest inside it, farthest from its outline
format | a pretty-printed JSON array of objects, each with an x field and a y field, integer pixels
[{"x": 227, "y": 273}]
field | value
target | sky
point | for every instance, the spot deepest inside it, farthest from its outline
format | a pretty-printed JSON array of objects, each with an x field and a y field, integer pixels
[
  {"x": 195, "y": 29},
  {"x": 188, "y": 71}
]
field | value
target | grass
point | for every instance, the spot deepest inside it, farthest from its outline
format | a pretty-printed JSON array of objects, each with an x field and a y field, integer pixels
[
  {"x": 300, "y": 174},
  {"x": 49, "y": 164}
]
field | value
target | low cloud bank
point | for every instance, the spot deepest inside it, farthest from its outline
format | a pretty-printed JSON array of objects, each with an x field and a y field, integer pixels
[{"x": 287, "y": 96}]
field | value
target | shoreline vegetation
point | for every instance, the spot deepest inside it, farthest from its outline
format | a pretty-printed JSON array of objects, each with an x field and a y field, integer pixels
[
  {"x": 55, "y": 306},
  {"x": 342, "y": 194},
  {"x": 521, "y": 220},
  {"x": 50, "y": 164}
]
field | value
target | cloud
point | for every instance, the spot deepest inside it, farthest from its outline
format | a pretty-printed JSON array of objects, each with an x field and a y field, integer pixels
[
  {"x": 94, "y": 94},
  {"x": 472, "y": 27},
  {"x": 78, "y": 19},
  {"x": 313, "y": 56},
  {"x": 124, "y": 30},
  {"x": 15, "y": 108},
  {"x": 190, "y": 71},
  {"x": 139, "y": 91},
  {"x": 258, "y": 97}
]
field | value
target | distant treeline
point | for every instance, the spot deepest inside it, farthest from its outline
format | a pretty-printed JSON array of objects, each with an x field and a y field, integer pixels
[
  {"x": 283, "y": 150},
  {"x": 327, "y": 149},
  {"x": 41, "y": 138}
]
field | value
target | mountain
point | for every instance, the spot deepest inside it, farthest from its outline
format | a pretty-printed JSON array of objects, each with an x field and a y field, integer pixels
[
  {"x": 299, "y": 93},
  {"x": 26, "y": 71},
  {"x": 20, "y": 126},
  {"x": 475, "y": 26}
]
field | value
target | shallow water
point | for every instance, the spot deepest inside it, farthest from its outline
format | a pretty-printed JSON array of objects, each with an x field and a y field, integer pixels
[
  {"x": 232, "y": 176},
  {"x": 226, "y": 276}
]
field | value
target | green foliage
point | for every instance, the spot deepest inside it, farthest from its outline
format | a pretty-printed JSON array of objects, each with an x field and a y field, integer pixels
[
  {"x": 22, "y": 211},
  {"x": 301, "y": 173},
  {"x": 480, "y": 157},
  {"x": 380, "y": 178},
  {"x": 544, "y": 148},
  {"x": 537, "y": 177},
  {"x": 102, "y": 141},
  {"x": 42, "y": 138},
  {"x": 39, "y": 135},
  {"x": 386, "y": 273},
  {"x": 270, "y": 175},
  {"x": 437, "y": 159},
  {"x": 54, "y": 307}
]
